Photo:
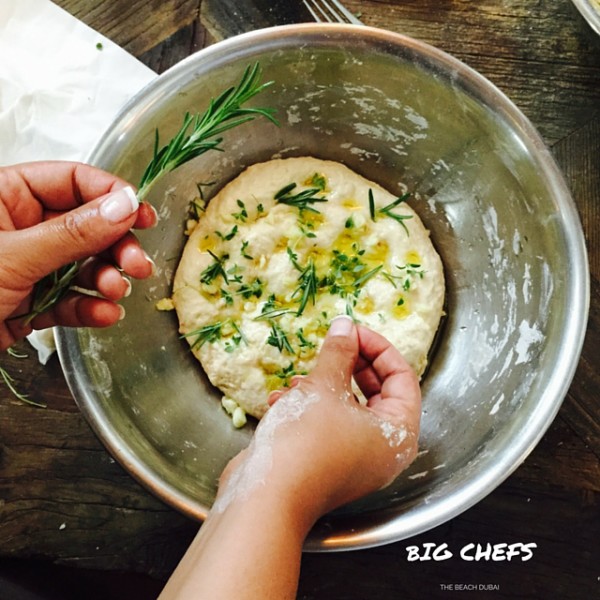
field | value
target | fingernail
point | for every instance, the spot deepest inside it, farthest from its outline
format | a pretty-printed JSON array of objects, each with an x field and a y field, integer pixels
[
  {"x": 152, "y": 264},
  {"x": 341, "y": 325},
  {"x": 128, "y": 289},
  {"x": 121, "y": 313},
  {"x": 155, "y": 215},
  {"x": 119, "y": 205}
]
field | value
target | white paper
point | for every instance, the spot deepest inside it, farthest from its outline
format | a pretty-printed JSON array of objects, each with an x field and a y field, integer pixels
[{"x": 61, "y": 83}]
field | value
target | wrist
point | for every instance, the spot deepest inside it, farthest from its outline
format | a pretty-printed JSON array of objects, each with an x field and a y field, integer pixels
[{"x": 276, "y": 498}]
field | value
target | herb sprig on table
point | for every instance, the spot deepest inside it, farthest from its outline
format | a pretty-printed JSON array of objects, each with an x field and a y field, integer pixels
[
  {"x": 198, "y": 134},
  {"x": 11, "y": 385}
]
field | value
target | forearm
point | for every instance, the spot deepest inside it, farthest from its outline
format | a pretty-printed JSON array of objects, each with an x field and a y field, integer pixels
[{"x": 251, "y": 550}]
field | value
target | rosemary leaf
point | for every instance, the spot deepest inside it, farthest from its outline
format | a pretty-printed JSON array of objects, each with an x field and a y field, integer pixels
[
  {"x": 50, "y": 290},
  {"x": 358, "y": 283},
  {"x": 371, "y": 205},
  {"x": 273, "y": 314}
]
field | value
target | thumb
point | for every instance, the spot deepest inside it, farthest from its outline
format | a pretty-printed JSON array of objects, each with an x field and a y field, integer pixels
[
  {"x": 74, "y": 235},
  {"x": 339, "y": 353}
]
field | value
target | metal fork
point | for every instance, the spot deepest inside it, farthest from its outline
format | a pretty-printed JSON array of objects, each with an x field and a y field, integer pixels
[{"x": 330, "y": 11}]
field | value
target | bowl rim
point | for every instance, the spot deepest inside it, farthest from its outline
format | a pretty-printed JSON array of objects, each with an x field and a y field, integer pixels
[
  {"x": 374, "y": 531},
  {"x": 589, "y": 13}
]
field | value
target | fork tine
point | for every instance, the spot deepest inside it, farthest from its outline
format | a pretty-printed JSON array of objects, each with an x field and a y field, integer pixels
[
  {"x": 330, "y": 11},
  {"x": 347, "y": 14},
  {"x": 317, "y": 16}
]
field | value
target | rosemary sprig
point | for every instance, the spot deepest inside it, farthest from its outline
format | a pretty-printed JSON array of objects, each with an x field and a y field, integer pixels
[
  {"x": 198, "y": 134},
  {"x": 273, "y": 314},
  {"x": 387, "y": 211},
  {"x": 358, "y": 283},
  {"x": 50, "y": 290},
  {"x": 206, "y": 334},
  {"x": 302, "y": 200},
  {"x": 307, "y": 286},
  {"x": 10, "y": 383}
]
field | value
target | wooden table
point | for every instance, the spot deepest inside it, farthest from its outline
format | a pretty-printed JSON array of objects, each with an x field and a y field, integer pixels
[{"x": 64, "y": 501}]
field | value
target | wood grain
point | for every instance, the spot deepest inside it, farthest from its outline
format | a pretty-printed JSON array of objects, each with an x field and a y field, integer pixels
[
  {"x": 578, "y": 155},
  {"x": 136, "y": 25},
  {"x": 63, "y": 496}
]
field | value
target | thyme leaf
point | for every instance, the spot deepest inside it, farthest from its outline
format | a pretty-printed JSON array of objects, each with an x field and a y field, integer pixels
[
  {"x": 247, "y": 290},
  {"x": 272, "y": 309},
  {"x": 287, "y": 373},
  {"x": 243, "y": 214},
  {"x": 227, "y": 237},
  {"x": 318, "y": 181},
  {"x": 304, "y": 343}
]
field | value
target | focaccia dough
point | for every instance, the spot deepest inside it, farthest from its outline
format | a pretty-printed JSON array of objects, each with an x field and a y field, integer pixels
[{"x": 265, "y": 270}]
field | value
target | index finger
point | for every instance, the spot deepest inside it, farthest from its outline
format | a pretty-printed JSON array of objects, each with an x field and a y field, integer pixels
[
  {"x": 45, "y": 189},
  {"x": 64, "y": 185}
]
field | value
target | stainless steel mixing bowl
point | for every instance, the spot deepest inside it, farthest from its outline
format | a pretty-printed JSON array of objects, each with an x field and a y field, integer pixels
[{"x": 395, "y": 110}]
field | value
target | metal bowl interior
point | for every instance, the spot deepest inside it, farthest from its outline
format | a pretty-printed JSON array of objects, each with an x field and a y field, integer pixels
[{"x": 394, "y": 110}]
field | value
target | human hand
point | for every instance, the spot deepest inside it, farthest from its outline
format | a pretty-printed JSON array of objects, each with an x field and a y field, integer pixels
[
  {"x": 317, "y": 447},
  {"x": 55, "y": 213}
]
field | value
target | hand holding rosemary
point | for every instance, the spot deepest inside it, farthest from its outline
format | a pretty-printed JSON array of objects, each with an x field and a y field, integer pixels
[
  {"x": 40, "y": 262},
  {"x": 54, "y": 213},
  {"x": 198, "y": 134}
]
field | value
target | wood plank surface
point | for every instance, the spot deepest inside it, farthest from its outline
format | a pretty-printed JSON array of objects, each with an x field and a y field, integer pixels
[
  {"x": 63, "y": 499},
  {"x": 136, "y": 25}
]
